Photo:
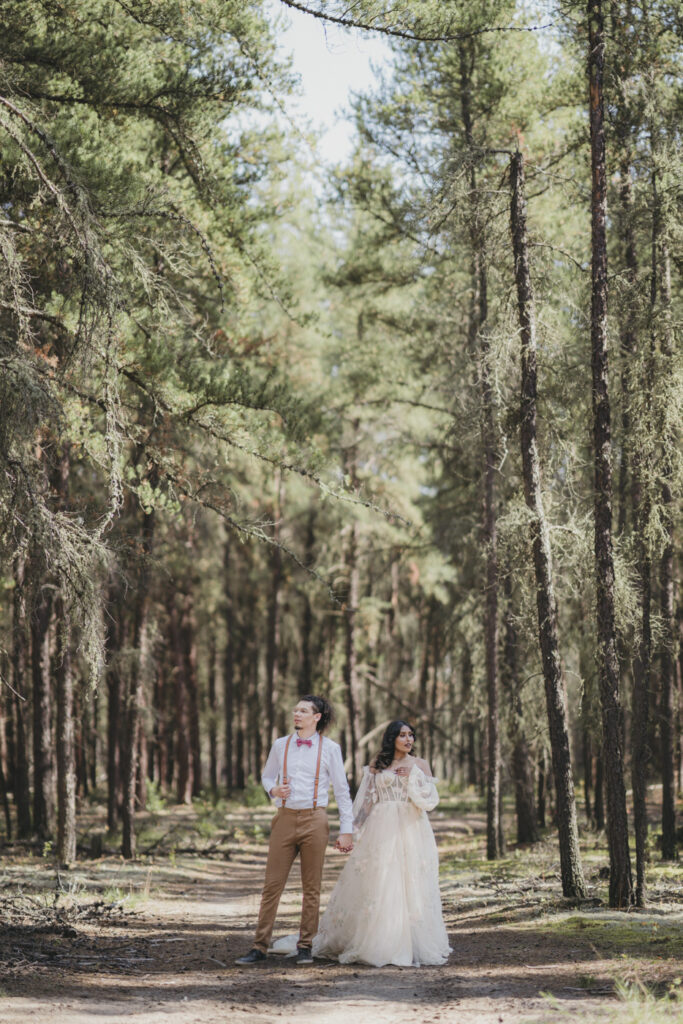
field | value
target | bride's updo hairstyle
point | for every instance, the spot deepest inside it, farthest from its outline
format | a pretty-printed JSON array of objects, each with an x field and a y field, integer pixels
[
  {"x": 386, "y": 754},
  {"x": 323, "y": 708}
]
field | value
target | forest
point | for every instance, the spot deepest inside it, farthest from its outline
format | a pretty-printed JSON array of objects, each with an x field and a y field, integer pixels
[{"x": 405, "y": 432}]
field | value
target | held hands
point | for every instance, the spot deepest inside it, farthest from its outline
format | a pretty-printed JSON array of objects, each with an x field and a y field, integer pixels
[{"x": 344, "y": 843}]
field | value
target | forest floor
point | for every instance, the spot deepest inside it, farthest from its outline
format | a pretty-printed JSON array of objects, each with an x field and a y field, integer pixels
[{"x": 155, "y": 940}]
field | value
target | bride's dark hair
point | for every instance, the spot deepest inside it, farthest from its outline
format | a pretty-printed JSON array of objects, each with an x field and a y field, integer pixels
[{"x": 388, "y": 748}]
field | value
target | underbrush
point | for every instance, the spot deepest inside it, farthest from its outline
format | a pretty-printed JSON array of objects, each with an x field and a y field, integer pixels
[{"x": 635, "y": 1003}]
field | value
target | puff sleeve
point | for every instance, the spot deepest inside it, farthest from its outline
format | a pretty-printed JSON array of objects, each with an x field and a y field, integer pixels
[
  {"x": 366, "y": 797},
  {"x": 422, "y": 789}
]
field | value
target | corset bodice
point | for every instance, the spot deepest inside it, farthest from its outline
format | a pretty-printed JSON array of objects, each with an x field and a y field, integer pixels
[{"x": 391, "y": 787}]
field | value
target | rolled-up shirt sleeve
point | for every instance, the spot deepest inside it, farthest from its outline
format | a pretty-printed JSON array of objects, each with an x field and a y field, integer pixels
[
  {"x": 340, "y": 785},
  {"x": 271, "y": 772}
]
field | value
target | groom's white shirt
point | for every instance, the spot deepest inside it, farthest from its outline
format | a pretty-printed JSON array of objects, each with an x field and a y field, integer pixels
[{"x": 301, "y": 763}]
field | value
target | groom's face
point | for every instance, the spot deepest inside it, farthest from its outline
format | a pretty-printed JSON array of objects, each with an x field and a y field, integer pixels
[{"x": 305, "y": 716}]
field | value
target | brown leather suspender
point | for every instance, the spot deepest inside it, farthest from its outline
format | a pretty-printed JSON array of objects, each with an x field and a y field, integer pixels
[
  {"x": 317, "y": 769},
  {"x": 284, "y": 767}
]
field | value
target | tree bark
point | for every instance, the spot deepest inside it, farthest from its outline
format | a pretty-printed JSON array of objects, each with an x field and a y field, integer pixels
[
  {"x": 115, "y": 641},
  {"x": 94, "y": 740},
  {"x": 637, "y": 450},
  {"x": 621, "y": 883},
  {"x": 273, "y": 635},
  {"x": 213, "y": 717},
  {"x": 135, "y": 681},
  {"x": 490, "y": 538},
  {"x": 351, "y": 678},
  {"x": 306, "y": 670},
  {"x": 587, "y": 752},
  {"x": 599, "y": 803},
  {"x": 43, "y": 764},
  {"x": 22, "y": 796},
  {"x": 573, "y": 884},
  {"x": 3, "y": 797},
  {"x": 188, "y": 630},
  {"x": 435, "y": 697},
  {"x": 666, "y": 580},
  {"x": 249, "y": 673},
  {"x": 66, "y": 768},
  {"x": 229, "y": 670},
  {"x": 469, "y": 745},
  {"x": 480, "y": 348},
  {"x": 542, "y": 787},
  {"x": 183, "y": 761},
  {"x": 521, "y": 762}
]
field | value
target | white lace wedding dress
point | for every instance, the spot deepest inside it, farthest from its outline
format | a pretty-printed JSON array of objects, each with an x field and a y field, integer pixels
[{"x": 386, "y": 905}]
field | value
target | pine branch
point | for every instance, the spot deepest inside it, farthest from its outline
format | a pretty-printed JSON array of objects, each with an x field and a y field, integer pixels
[{"x": 441, "y": 37}]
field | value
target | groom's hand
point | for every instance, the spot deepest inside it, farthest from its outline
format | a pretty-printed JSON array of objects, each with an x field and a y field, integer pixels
[
  {"x": 344, "y": 843},
  {"x": 281, "y": 791}
]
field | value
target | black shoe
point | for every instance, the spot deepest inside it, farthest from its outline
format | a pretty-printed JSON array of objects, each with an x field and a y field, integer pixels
[
  {"x": 304, "y": 955},
  {"x": 254, "y": 956}
]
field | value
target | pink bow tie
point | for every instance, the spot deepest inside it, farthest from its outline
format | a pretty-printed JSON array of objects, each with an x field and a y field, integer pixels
[{"x": 303, "y": 743}]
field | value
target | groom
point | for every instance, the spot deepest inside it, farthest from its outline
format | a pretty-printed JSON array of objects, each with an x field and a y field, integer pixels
[{"x": 297, "y": 775}]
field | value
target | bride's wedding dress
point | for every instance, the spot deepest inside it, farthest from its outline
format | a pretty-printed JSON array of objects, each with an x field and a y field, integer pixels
[{"x": 386, "y": 905}]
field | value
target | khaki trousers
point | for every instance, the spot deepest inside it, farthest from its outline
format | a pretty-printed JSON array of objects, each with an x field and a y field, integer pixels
[{"x": 306, "y": 833}]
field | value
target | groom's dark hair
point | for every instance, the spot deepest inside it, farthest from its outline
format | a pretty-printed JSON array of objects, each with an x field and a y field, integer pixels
[{"x": 322, "y": 708}]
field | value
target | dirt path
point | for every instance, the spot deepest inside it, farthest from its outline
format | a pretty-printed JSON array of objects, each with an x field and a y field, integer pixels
[{"x": 169, "y": 956}]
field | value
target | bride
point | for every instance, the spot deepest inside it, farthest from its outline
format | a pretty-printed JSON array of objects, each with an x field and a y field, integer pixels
[{"x": 386, "y": 906}]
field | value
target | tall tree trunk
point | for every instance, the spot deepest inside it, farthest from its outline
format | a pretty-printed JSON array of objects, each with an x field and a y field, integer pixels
[
  {"x": 490, "y": 538},
  {"x": 542, "y": 787},
  {"x": 115, "y": 641},
  {"x": 161, "y": 727},
  {"x": 94, "y": 740},
  {"x": 3, "y": 795},
  {"x": 273, "y": 636},
  {"x": 573, "y": 884},
  {"x": 521, "y": 762},
  {"x": 470, "y": 738},
  {"x": 426, "y": 652},
  {"x": 249, "y": 673},
  {"x": 143, "y": 755},
  {"x": 43, "y": 764},
  {"x": 621, "y": 883},
  {"x": 66, "y": 748},
  {"x": 599, "y": 804},
  {"x": 180, "y": 707},
  {"x": 435, "y": 696},
  {"x": 188, "y": 630},
  {"x": 635, "y": 449},
  {"x": 229, "y": 670},
  {"x": 240, "y": 715},
  {"x": 666, "y": 579},
  {"x": 213, "y": 717},
  {"x": 66, "y": 768},
  {"x": 351, "y": 678},
  {"x": 587, "y": 752},
  {"x": 478, "y": 342},
  {"x": 22, "y": 796},
  {"x": 135, "y": 682},
  {"x": 5, "y": 761},
  {"x": 306, "y": 670}
]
